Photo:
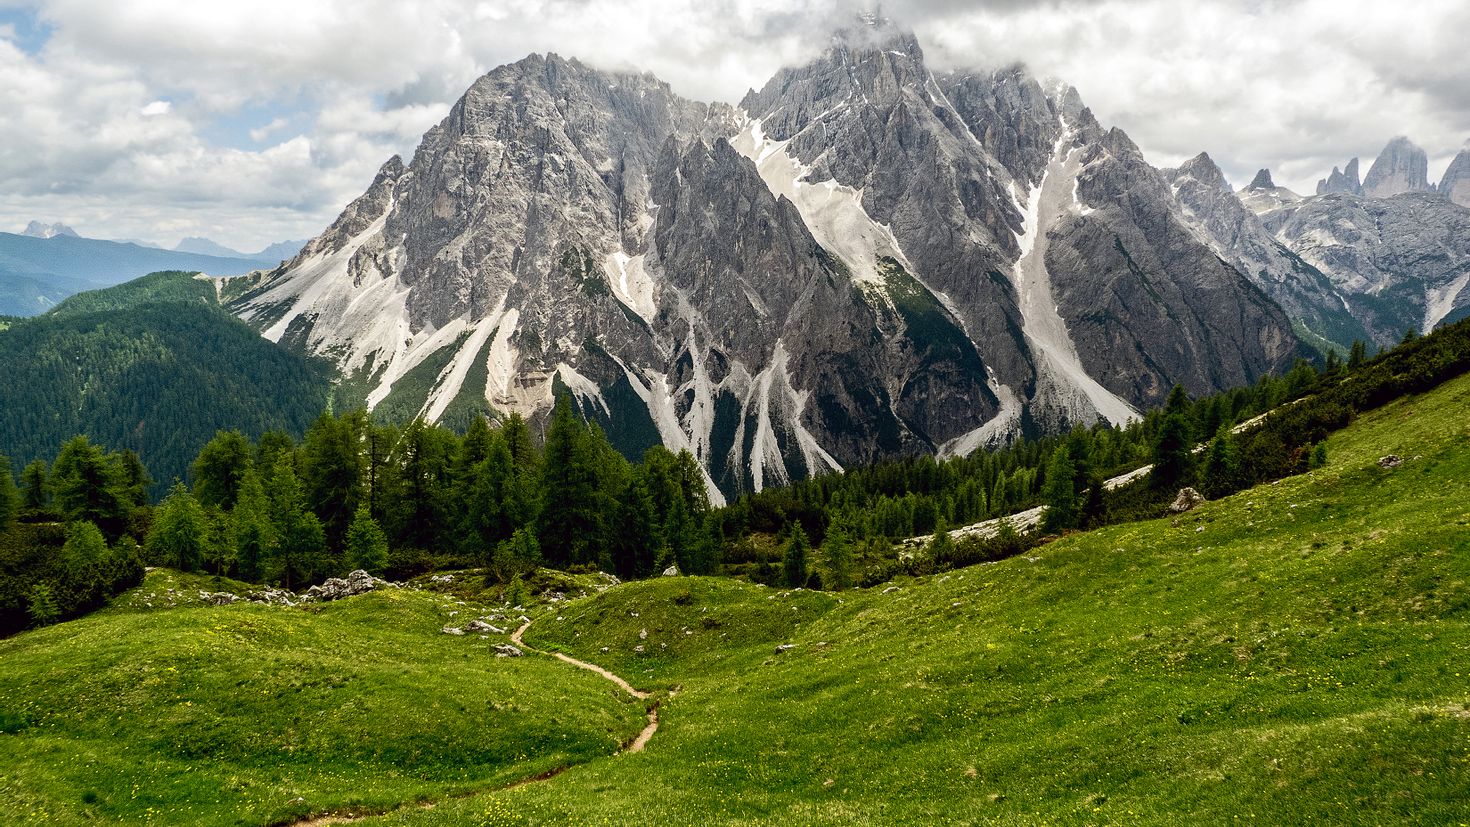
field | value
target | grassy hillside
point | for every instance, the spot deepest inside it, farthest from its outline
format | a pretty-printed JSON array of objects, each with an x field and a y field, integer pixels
[
  {"x": 154, "y": 365},
  {"x": 163, "y": 712},
  {"x": 1296, "y": 653}
]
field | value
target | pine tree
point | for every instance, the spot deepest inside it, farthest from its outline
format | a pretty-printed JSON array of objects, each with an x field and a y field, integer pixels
[
  {"x": 637, "y": 540},
  {"x": 1094, "y": 508},
  {"x": 133, "y": 478},
  {"x": 219, "y": 469},
  {"x": 837, "y": 554},
  {"x": 493, "y": 504},
  {"x": 1173, "y": 461},
  {"x": 220, "y": 552},
  {"x": 1359, "y": 354},
  {"x": 367, "y": 545},
  {"x": 251, "y": 528},
  {"x": 941, "y": 545},
  {"x": 300, "y": 542},
  {"x": 519, "y": 555},
  {"x": 88, "y": 486},
  {"x": 177, "y": 538},
  {"x": 9, "y": 496},
  {"x": 794, "y": 565},
  {"x": 35, "y": 488},
  {"x": 331, "y": 473},
  {"x": 41, "y": 605},
  {"x": 82, "y": 557},
  {"x": 1061, "y": 493},
  {"x": 570, "y": 529},
  {"x": 1221, "y": 474}
]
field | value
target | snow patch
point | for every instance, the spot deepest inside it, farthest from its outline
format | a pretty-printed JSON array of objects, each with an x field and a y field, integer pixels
[
  {"x": 451, "y": 380},
  {"x": 631, "y": 283},
  {"x": 1440, "y": 302},
  {"x": 1043, "y": 326},
  {"x": 833, "y": 212}
]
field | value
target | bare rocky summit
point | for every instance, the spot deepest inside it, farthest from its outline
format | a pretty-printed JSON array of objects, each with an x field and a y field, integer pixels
[{"x": 865, "y": 259}]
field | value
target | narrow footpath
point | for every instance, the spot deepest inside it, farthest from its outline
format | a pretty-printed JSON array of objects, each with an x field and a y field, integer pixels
[{"x": 636, "y": 744}]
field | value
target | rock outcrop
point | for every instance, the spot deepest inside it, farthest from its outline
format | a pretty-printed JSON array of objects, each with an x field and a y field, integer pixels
[
  {"x": 1343, "y": 181},
  {"x": 1456, "y": 182},
  {"x": 1401, "y": 167}
]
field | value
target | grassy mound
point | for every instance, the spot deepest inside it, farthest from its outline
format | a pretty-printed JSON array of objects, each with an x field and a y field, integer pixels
[
  {"x": 249, "y": 714},
  {"x": 1296, "y": 653}
]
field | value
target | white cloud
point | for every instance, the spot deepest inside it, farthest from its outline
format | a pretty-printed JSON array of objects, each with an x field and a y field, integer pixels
[{"x": 113, "y": 126}]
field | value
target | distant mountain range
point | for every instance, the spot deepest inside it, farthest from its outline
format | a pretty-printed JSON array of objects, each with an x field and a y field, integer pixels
[
  {"x": 48, "y": 262},
  {"x": 278, "y": 252}
]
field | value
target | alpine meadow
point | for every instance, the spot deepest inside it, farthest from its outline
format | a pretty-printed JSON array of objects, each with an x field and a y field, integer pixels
[{"x": 899, "y": 442}]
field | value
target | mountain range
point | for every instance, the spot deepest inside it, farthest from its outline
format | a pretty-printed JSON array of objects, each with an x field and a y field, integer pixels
[
  {"x": 48, "y": 262},
  {"x": 862, "y": 259}
]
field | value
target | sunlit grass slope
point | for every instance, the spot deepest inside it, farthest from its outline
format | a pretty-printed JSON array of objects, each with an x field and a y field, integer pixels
[
  {"x": 249, "y": 714},
  {"x": 1298, "y": 653}
]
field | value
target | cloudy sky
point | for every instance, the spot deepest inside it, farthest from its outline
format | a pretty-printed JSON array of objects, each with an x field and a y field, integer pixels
[{"x": 252, "y": 121}]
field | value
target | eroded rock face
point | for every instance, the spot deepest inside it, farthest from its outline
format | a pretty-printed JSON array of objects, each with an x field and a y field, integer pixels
[
  {"x": 1344, "y": 181},
  {"x": 1401, "y": 167},
  {"x": 1396, "y": 262},
  {"x": 863, "y": 260},
  {"x": 1456, "y": 182},
  {"x": 1309, "y": 297}
]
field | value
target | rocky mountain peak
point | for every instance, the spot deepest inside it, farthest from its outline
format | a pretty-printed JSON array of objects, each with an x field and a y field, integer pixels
[
  {"x": 1456, "y": 182},
  {"x": 1262, "y": 181},
  {"x": 36, "y": 229},
  {"x": 1203, "y": 169},
  {"x": 1342, "y": 181},
  {"x": 1401, "y": 167}
]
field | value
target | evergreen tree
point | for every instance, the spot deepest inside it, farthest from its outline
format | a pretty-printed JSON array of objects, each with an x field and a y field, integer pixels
[
  {"x": 1359, "y": 354},
  {"x": 1094, "y": 508},
  {"x": 637, "y": 539},
  {"x": 177, "y": 538},
  {"x": 220, "y": 468},
  {"x": 367, "y": 545},
  {"x": 35, "y": 488},
  {"x": 941, "y": 545},
  {"x": 1061, "y": 493},
  {"x": 494, "y": 505},
  {"x": 133, "y": 478},
  {"x": 570, "y": 528},
  {"x": 419, "y": 490},
  {"x": 82, "y": 557},
  {"x": 519, "y": 555},
  {"x": 837, "y": 554},
  {"x": 220, "y": 552},
  {"x": 88, "y": 487},
  {"x": 300, "y": 542},
  {"x": 1333, "y": 365},
  {"x": 794, "y": 565},
  {"x": 251, "y": 528},
  {"x": 1221, "y": 474},
  {"x": 1173, "y": 460},
  {"x": 331, "y": 473},
  {"x": 41, "y": 604},
  {"x": 9, "y": 496}
]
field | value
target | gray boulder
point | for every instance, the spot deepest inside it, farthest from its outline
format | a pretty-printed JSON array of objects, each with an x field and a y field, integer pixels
[
  {"x": 336, "y": 588},
  {"x": 506, "y": 650},
  {"x": 1390, "y": 461},
  {"x": 1187, "y": 500}
]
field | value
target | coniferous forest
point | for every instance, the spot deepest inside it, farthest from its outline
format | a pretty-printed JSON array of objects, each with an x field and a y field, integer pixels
[{"x": 404, "y": 500}]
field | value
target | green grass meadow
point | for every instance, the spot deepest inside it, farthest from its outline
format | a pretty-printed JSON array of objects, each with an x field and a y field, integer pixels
[{"x": 1298, "y": 653}]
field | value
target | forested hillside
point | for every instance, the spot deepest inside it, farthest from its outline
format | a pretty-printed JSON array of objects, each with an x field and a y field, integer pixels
[{"x": 154, "y": 366}]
